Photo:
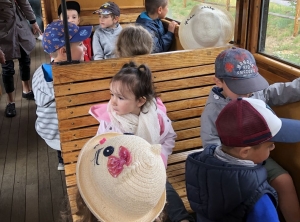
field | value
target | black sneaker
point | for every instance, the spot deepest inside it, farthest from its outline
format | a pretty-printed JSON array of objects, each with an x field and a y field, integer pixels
[
  {"x": 10, "y": 110},
  {"x": 28, "y": 95}
]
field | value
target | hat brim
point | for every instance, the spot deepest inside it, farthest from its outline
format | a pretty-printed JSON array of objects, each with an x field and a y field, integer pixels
[
  {"x": 289, "y": 132},
  {"x": 245, "y": 86},
  {"x": 185, "y": 31},
  {"x": 95, "y": 200},
  {"x": 83, "y": 33}
]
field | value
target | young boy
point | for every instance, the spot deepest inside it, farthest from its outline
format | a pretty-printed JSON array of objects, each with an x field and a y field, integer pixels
[
  {"x": 236, "y": 75},
  {"x": 228, "y": 182},
  {"x": 151, "y": 20},
  {"x": 73, "y": 16},
  {"x": 105, "y": 37},
  {"x": 53, "y": 42}
]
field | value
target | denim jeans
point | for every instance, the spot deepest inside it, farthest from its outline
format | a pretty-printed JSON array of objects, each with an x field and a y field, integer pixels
[{"x": 8, "y": 71}]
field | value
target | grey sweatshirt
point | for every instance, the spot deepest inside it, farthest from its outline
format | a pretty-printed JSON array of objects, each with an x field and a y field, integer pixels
[
  {"x": 104, "y": 42},
  {"x": 46, "y": 124},
  {"x": 276, "y": 94}
]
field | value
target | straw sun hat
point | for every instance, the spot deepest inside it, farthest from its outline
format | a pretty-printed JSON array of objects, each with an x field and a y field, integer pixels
[
  {"x": 206, "y": 26},
  {"x": 121, "y": 178}
]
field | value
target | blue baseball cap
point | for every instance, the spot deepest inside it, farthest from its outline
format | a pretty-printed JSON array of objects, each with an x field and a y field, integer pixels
[
  {"x": 237, "y": 67},
  {"x": 54, "y": 37}
]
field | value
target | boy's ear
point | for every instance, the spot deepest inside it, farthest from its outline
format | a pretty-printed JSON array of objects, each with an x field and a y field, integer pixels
[
  {"x": 159, "y": 10},
  {"x": 117, "y": 18},
  {"x": 218, "y": 82},
  {"x": 141, "y": 101},
  {"x": 244, "y": 152}
]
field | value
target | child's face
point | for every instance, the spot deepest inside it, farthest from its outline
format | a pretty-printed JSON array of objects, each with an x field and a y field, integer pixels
[
  {"x": 163, "y": 11},
  {"x": 107, "y": 21},
  {"x": 123, "y": 101},
  {"x": 260, "y": 154},
  {"x": 72, "y": 16},
  {"x": 77, "y": 51}
]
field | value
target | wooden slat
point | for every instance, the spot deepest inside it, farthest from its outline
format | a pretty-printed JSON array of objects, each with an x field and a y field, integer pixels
[
  {"x": 103, "y": 84},
  {"x": 187, "y": 144},
  {"x": 178, "y": 157},
  {"x": 78, "y": 134},
  {"x": 77, "y": 123},
  {"x": 189, "y": 133},
  {"x": 175, "y": 167},
  {"x": 185, "y": 94},
  {"x": 78, "y": 72},
  {"x": 85, "y": 98},
  {"x": 184, "y": 114},
  {"x": 184, "y": 83},
  {"x": 73, "y": 145},
  {"x": 185, "y": 124},
  {"x": 185, "y": 104},
  {"x": 183, "y": 73}
]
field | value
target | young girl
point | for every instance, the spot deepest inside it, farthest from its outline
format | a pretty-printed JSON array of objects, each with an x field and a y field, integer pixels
[
  {"x": 134, "y": 40},
  {"x": 133, "y": 109}
]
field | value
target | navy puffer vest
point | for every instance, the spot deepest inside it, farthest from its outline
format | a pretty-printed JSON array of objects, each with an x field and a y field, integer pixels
[{"x": 218, "y": 191}]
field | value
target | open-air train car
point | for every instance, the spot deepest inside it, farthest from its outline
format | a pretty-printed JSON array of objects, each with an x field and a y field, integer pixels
[{"x": 77, "y": 86}]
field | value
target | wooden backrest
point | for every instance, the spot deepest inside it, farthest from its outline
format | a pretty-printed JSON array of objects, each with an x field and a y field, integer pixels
[{"x": 183, "y": 79}]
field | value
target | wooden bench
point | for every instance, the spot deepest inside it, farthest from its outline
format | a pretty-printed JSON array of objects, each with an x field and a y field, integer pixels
[{"x": 183, "y": 79}]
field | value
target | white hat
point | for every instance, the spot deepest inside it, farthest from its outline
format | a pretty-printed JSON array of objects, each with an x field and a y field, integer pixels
[
  {"x": 122, "y": 178},
  {"x": 206, "y": 26}
]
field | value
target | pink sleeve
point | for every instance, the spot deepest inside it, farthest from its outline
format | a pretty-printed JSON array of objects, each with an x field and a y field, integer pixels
[
  {"x": 164, "y": 160},
  {"x": 160, "y": 105}
]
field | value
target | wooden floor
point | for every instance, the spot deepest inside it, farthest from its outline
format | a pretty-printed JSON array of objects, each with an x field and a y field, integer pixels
[{"x": 31, "y": 187}]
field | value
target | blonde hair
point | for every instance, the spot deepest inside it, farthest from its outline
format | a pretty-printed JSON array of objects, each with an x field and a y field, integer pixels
[{"x": 134, "y": 40}]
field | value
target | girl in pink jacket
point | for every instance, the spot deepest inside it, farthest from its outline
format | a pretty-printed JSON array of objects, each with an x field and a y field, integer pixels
[{"x": 133, "y": 108}]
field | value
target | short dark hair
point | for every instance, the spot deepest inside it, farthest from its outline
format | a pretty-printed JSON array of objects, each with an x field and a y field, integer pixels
[{"x": 152, "y": 5}]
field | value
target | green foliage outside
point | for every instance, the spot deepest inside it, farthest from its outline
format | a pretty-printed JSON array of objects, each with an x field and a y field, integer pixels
[{"x": 280, "y": 42}]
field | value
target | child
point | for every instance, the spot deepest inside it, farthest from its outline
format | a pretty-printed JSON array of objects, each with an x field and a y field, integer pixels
[
  {"x": 151, "y": 20},
  {"x": 133, "y": 109},
  {"x": 133, "y": 40},
  {"x": 125, "y": 181},
  {"x": 73, "y": 16},
  {"x": 228, "y": 182},
  {"x": 237, "y": 76},
  {"x": 53, "y": 42},
  {"x": 106, "y": 35}
]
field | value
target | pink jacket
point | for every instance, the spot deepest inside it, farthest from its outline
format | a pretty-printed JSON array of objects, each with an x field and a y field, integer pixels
[{"x": 167, "y": 134}]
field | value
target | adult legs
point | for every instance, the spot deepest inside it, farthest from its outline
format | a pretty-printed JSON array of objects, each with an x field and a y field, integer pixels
[
  {"x": 37, "y": 9},
  {"x": 24, "y": 65}
]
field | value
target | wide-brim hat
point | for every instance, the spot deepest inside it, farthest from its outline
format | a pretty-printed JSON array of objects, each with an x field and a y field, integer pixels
[
  {"x": 137, "y": 193},
  {"x": 206, "y": 26}
]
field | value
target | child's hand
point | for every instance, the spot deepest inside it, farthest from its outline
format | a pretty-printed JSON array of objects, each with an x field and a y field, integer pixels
[{"x": 172, "y": 26}]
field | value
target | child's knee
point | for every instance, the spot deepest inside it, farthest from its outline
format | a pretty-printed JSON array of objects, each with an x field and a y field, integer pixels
[{"x": 274, "y": 170}]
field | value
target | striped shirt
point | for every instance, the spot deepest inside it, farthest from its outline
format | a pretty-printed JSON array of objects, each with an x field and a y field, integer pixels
[{"x": 46, "y": 123}]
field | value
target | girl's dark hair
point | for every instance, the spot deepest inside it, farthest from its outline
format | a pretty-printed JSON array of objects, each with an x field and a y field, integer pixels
[
  {"x": 152, "y": 5},
  {"x": 138, "y": 80}
]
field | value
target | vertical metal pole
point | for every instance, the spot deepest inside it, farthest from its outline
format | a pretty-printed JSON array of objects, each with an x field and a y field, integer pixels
[{"x": 66, "y": 28}]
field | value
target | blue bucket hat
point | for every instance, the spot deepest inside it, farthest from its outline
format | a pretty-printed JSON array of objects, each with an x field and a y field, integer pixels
[{"x": 54, "y": 37}]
